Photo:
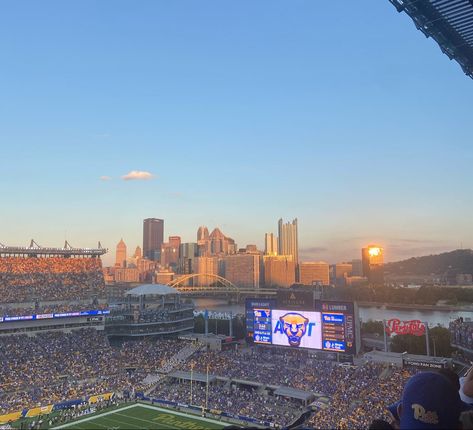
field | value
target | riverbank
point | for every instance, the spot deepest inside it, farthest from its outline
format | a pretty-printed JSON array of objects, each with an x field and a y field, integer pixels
[{"x": 416, "y": 307}]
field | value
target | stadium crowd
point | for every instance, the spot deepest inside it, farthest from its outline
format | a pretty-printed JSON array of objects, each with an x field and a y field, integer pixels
[
  {"x": 48, "y": 279},
  {"x": 461, "y": 333},
  {"x": 362, "y": 395},
  {"x": 346, "y": 385},
  {"x": 55, "y": 366},
  {"x": 232, "y": 399}
]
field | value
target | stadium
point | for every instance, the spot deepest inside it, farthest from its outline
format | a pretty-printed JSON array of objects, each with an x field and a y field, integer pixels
[{"x": 70, "y": 359}]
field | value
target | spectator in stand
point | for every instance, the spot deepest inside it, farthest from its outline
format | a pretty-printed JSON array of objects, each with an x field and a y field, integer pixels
[
  {"x": 27, "y": 279},
  {"x": 54, "y": 366},
  {"x": 430, "y": 401}
]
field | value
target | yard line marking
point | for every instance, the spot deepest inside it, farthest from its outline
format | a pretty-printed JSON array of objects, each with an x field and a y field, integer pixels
[{"x": 72, "y": 423}]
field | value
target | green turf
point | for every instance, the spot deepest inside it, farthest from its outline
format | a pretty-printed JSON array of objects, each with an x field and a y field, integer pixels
[{"x": 141, "y": 416}]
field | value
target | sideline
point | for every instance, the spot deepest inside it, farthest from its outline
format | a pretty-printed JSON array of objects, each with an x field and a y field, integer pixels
[{"x": 141, "y": 405}]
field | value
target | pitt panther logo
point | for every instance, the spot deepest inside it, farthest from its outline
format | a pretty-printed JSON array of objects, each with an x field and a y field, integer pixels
[{"x": 294, "y": 326}]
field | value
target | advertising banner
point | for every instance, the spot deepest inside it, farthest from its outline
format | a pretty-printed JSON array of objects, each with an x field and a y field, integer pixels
[
  {"x": 396, "y": 326},
  {"x": 295, "y": 300}
]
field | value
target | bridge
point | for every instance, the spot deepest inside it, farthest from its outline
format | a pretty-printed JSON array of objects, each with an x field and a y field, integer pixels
[{"x": 220, "y": 287}]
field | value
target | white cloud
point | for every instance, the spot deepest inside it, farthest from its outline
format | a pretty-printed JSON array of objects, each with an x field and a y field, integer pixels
[
  {"x": 105, "y": 178},
  {"x": 137, "y": 175}
]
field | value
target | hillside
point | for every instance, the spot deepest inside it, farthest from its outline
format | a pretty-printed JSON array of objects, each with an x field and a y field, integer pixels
[{"x": 458, "y": 261}]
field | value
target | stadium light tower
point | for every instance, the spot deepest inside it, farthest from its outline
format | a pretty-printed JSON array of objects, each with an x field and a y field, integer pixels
[{"x": 448, "y": 22}]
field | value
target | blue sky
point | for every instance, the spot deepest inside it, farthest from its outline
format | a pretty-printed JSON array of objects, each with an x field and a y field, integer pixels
[{"x": 339, "y": 113}]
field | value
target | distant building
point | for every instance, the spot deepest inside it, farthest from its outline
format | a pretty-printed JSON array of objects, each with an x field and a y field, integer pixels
[
  {"x": 120, "y": 256},
  {"x": 221, "y": 244},
  {"x": 316, "y": 272},
  {"x": 203, "y": 241},
  {"x": 146, "y": 269},
  {"x": 342, "y": 272},
  {"x": 357, "y": 268},
  {"x": 206, "y": 266},
  {"x": 163, "y": 277},
  {"x": 170, "y": 252},
  {"x": 108, "y": 274},
  {"x": 138, "y": 253},
  {"x": 279, "y": 270},
  {"x": 243, "y": 270},
  {"x": 464, "y": 279},
  {"x": 372, "y": 258},
  {"x": 202, "y": 233},
  {"x": 270, "y": 244},
  {"x": 251, "y": 249},
  {"x": 288, "y": 239},
  {"x": 153, "y": 238},
  {"x": 187, "y": 254},
  {"x": 354, "y": 281},
  {"x": 127, "y": 274}
]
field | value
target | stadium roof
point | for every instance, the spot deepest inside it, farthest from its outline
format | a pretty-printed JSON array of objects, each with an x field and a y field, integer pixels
[
  {"x": 293, "y": 393},
  {"x": 152, "y": 289},
  {"x": 35, "y": 250},
  {"x": 195, "y": 376},
  {"x": 448, "y": 22}
]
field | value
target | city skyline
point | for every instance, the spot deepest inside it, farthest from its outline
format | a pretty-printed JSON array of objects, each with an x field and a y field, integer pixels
[
  {"x": 108, "y": 127},
  {"x": 318, "y": 256},
  {"x": 395, "y": 249}
]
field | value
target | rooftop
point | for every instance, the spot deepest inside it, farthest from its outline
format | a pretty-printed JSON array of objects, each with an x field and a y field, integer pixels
[{"x": 152, "y": 289}]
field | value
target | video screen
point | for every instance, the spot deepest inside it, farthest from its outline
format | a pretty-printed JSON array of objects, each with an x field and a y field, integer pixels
[
  {"x": 331, "y": 327},
  {"x": 301, "y": 329}
]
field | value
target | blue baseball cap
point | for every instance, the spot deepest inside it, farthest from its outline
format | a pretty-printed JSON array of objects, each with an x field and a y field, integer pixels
[{"x": 430, "y": 401}]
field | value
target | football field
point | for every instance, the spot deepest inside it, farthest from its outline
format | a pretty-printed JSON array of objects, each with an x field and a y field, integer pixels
[{"x": 142, "y": 416}]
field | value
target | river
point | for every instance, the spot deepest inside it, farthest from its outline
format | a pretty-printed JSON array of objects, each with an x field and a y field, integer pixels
[{"x": 433, "y": 318}]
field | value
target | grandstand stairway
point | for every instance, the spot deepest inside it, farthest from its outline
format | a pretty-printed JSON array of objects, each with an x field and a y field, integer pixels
[
  {"x": 386, "y": 373},
  {"x": 181, "y": 356}
]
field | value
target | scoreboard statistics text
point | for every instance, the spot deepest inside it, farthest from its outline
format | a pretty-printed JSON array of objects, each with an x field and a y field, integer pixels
[{"x": 330, "y": 327}]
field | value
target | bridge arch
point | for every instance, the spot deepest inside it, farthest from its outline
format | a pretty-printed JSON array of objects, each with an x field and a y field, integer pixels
[{"x": 178, "y": 284}]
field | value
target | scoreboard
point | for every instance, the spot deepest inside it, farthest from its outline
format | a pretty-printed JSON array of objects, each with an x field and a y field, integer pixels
[
  {"x": 258, "y": 320},
  {"x": 338, "y": 326},
  {"x": 262, "y": 325},
  {"x": 321, "y": 325}
]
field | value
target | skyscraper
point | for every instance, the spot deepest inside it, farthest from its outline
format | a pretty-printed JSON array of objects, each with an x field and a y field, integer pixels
[
  {"x": 279, "y": 270},
  {"x": 202, "y": 233},
  {"x": 288, "y": 239},
  {"x": 153, "y": 237},
  {"x": 357, "y": 268},
  {"x": 372, "y": 258},
  {"x": 205, "y": 265},
  {"x": 270, "y": 244},
  {"x": 203, "y": 241},
  {"x": 170, "y": 252},
  {"x": 120, "y": 256},
  {"x": 187, "y": 254},
  {"x": 243, "y": 270},
  {"x": 314, "y": 272},
  {"x": 221, "y": 244}
]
